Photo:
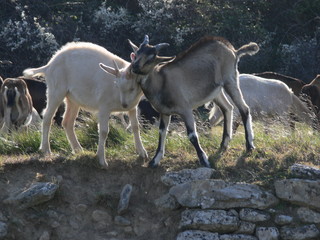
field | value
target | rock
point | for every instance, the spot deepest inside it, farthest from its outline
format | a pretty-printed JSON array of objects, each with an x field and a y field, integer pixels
[
  {"x": 82, "y": 207},
  {"x": 99, "y": 216},
  {"x": 45, "y": 236},
  {"x": 299, "y": 191},
  {"x": 308, "y": 216},
  {"x": 283, "y": 220},
  {"x": 267, "y": 233},
  {"x": 252, "y": 215},
  {"x": 299, "y": 233},
  {"x": 124, "y": 198},
  {"x": 209, "y": 220},
  {"x": 167, "y": 202},
  {"x": 246, "y": 227},
  {"x": 303, "y": 171},
  {"x": 38, "y": 193},
  {"x": 237, "y": 237},
  {"x": 122, "y": 221},
  {"x": 219, "y": 194},
  {"x": 3, "y": 229},
  {"x": 187, "y": 175},
  {"x": 197, "y": 235}
]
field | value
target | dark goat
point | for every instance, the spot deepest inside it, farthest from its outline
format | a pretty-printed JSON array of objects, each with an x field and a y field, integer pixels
[
  {"x": 313, "y": 91},
  {"x": 294, "y": 83}
]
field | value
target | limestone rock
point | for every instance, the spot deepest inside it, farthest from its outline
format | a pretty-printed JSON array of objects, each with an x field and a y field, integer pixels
[
  {"x": 237, "y": 237},
  {"x": 167, "y": 202},
  {"x": 197, "y": 235},
  {"x": 252, "y": 215},
  {"x": 209, "y": 220},
  {"x": 299, "y": 191},
  {"x": 38, "y": 193},
  {"x": 3, "y": 229},
  {"x": 100, "y": 215},
  {"x": 303, "y": 171},
  {"x": 267, "y": 233},
  {"x": 246, "y": 227},
  {"x": 122, "y": 221},
  {"x": 283, "y": 220},
  {"x": 124, "y": 198},
  {"x": 299, "y": 233},
  {"x": 219, "y": 194},
  {"x": 45, "y": 236},
  {"x": 187, "y": 175},
  {"x": 308, "y": 216}
]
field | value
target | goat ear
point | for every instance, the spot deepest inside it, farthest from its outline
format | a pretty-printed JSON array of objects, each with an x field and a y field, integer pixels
[
  {"x": 133, "y": 46},
  {"x": 111, "y": 70},
  {"x": 132, "y": 56}
]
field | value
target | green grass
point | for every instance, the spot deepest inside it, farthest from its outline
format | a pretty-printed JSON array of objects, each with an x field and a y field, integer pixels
[{"x": 277, "y": 148}]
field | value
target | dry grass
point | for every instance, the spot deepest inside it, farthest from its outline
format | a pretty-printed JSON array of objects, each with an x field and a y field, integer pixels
[{"x": 277, "y": 148}]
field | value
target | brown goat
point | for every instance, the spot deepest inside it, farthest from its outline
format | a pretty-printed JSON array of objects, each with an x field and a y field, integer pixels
[
  {"x": 294, "y": 83},
  {"x": 313, "y": 91},
  {"x": 193, "y": 78},
  {"x": 16, "y": 103}
]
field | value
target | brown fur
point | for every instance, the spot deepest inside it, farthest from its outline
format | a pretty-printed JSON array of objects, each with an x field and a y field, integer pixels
[
  {"x": 22, "y": 108},
  {"x": 294, "y": 83}
]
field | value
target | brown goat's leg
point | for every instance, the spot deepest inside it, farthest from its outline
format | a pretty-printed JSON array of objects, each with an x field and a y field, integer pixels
[
  {"x": 236, "y": 96},
  {"x": 163, "y": 128},
  {"x": 193, "y": 137},
  {"x": 227, "y": 110}
]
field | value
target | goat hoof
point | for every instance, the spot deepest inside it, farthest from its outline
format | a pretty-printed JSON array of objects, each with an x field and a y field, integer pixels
[
  {"x": 152, "y": 164},
  {"x": 205, "y": 164},
  {"x": 250, "y": 149}
]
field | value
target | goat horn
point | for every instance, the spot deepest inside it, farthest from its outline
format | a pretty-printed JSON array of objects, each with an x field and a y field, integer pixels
[
  {"x": 116, "y": 65},
  {"x": 133, "y": 46},
  {"x": 146, "y": 40},
  {"x": 159, "y": 46}
]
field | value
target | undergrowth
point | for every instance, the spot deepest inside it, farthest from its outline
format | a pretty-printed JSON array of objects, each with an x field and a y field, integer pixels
[{"x": 277, "y": 148}]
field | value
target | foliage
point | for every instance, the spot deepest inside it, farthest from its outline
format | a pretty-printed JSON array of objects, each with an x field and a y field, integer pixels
[{"x": 287, "y": 31}]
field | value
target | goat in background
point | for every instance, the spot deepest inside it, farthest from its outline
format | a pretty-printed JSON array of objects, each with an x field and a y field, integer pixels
[
  {"x": 268, "y": 98},
  {"x": 16, "y": 105}
]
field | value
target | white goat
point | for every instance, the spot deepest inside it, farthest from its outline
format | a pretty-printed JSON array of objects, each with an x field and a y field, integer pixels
[
  {"x": 194, "y": 77},
  {"x": 73, "y": 73},
  {"x": 267, "y": 98}
]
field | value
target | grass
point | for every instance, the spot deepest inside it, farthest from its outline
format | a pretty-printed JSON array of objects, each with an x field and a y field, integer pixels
[{"x": 277, "y": 148}]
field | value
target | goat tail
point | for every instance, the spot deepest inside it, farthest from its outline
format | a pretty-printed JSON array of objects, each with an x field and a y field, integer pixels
[
  {"x": 31, "y": 72},
  {"x": 248, "y": 49}
]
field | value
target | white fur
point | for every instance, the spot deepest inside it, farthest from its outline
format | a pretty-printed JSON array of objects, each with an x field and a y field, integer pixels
[
  {"x": 74, "y": 73},
  {"x": 266, "y": 98}
]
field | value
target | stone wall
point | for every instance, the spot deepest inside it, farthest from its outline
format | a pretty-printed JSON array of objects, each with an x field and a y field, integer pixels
[{"x": 220, "y": 210}]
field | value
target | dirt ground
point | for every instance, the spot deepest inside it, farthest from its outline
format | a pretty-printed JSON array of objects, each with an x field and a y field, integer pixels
[{"x": 84, "y": 189}]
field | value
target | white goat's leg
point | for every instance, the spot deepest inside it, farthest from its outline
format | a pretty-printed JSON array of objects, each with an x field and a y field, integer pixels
[
  {"x": 103, "y": 134},
  {"x": 136, "y": 132},
  {"x": 69, "y": 118},
  {"x": 53, "y": 103},
  {"x": 227, "y": 110},
  {"x": 163, "y": 128},
  {"x": 236, "y": 96},
  {"x": 193, "y": 137}
]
